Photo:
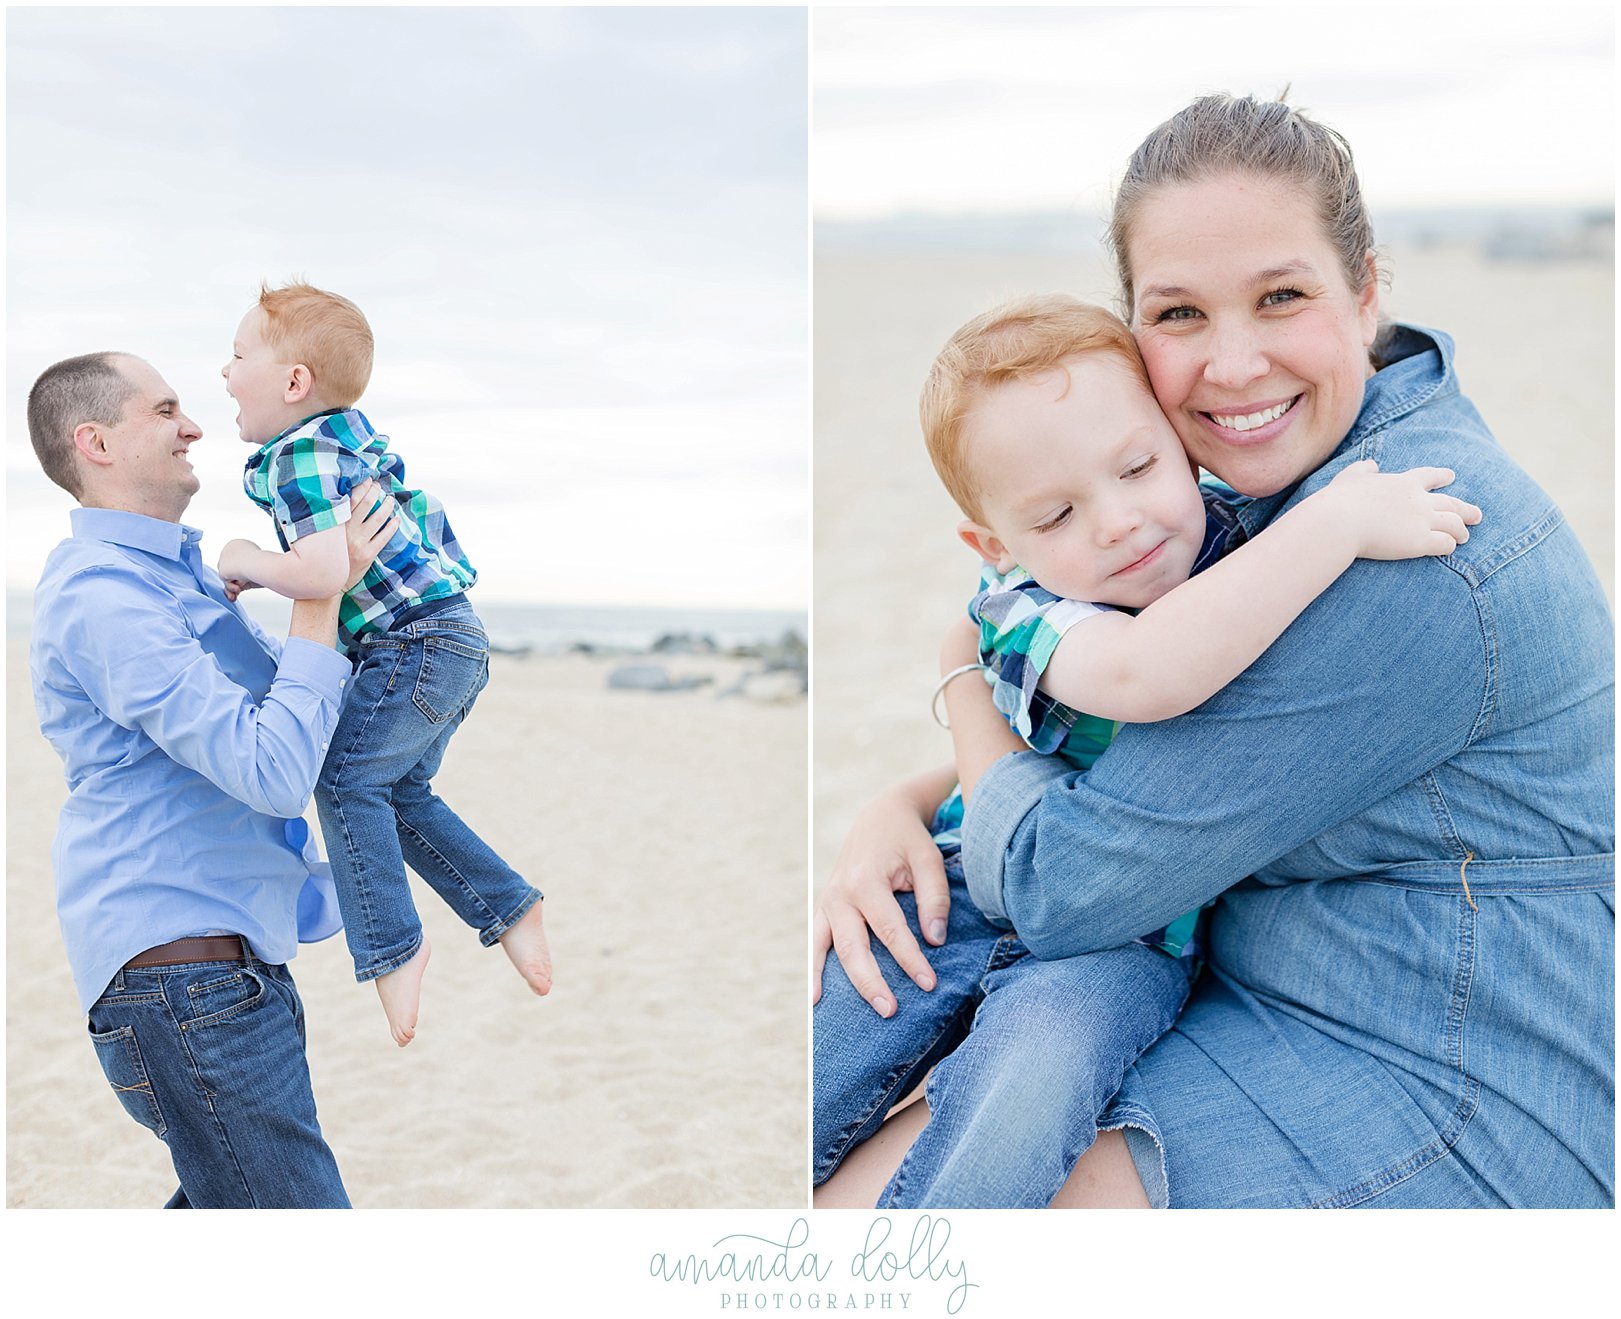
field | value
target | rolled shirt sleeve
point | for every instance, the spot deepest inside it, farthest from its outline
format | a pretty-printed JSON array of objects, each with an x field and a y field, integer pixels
[
  {"x": 310, "y": 476},
  {"x": 1020, "y": 626}
]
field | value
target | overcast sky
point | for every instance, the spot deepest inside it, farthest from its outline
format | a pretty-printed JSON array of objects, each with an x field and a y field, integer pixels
[
  {"x": 985, "y": 110},
  {"x": 579, "y": 235}
]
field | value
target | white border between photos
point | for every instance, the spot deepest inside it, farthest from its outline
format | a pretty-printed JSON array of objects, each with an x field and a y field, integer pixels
[{"x": 571, "y": 1263}]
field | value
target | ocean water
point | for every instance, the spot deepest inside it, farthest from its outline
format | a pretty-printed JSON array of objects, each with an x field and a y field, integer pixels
[{"x": 546, "y": 629}]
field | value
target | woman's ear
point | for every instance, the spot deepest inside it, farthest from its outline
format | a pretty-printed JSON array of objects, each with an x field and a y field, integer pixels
[
  {"x": 1368, "y": 300},
  {"x": 983, "y": 541}
]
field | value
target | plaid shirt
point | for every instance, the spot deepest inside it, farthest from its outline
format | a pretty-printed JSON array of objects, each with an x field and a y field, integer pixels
[
  {"x": 302, "y": 478},
  {"x": 1020, "y": 625}
]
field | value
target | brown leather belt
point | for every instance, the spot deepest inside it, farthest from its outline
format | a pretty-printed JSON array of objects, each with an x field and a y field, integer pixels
[{"x": 203, "y": 948}]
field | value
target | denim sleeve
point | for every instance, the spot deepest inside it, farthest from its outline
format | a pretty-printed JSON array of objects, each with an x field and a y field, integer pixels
[
  {"x": 130, "y": 648},
  {"x": 1378, "y": 681}
]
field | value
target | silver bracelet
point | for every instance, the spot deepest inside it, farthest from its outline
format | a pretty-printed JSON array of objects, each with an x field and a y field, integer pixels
[{"x": 934, "y": 703}]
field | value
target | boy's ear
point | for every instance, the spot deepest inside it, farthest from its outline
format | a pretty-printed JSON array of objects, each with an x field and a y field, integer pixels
[
  {"x": 983, "y": 541},
  {"x": 299, "y": 384}
]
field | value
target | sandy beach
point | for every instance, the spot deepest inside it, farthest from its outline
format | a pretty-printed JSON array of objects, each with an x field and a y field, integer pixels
[
  {"x": 666, "y": 1069},
  {"x": 1535, "y": 343}
]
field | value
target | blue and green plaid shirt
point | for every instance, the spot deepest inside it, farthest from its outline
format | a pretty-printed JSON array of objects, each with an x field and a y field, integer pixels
[
  {"x": 1020, "y": 626},
  {"x": 303, "y": 477}
]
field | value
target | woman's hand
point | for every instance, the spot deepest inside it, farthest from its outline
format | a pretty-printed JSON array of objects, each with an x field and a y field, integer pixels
[
  {"x": 367, "y": 534},
  {"x": 889, "y": 850}
]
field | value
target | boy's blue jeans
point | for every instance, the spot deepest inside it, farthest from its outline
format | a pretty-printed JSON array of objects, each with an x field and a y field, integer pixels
[
  {"x": 412, "y": 688},
  {"x": 1026, "y": 1054},
  {"x": 209, "y": 1057}
]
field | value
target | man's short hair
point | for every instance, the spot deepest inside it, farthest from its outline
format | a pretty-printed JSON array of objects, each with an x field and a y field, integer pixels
[
  {"x": 327, "y": 333},
  {"x": 1015, "y": 341},
  {"x": 80, "y": 389}
]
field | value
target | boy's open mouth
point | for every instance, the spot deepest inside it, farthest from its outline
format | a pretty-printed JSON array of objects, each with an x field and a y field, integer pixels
[{"x": 1249, "y": 421}]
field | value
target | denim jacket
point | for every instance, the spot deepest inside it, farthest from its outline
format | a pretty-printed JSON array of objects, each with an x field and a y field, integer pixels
[{"x": 1419, "y": 715}]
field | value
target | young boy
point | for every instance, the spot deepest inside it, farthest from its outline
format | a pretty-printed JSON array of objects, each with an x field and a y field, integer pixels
[
  {"x": 301, "y": 359},
  {"x": 1082, "y": 505}
]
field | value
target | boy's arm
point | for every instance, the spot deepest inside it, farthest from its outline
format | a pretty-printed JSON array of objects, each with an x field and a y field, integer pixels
[
  {"x": 1194, "y": 640},
  {"x": 315, "y": 567}
]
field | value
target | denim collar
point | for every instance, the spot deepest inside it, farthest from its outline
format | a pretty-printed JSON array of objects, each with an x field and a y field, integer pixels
[
  {"x": 135, "y": 531},
  {"x": 1418, "y": 368}
]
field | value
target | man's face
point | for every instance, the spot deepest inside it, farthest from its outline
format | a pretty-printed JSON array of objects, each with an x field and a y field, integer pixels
[
  {"x": 257, "y": 381},
  {"x": 147, "y": 467}
]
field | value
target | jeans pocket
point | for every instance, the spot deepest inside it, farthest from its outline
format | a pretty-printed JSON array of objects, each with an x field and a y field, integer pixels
[
  {"x": 451, "y": 674},
  {"x": 223, "y": 996},
  {"x": 120, "y": 1058}
]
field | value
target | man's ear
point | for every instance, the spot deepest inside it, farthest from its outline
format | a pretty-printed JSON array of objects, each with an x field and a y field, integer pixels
[
  {"x": 91, "y": 443},
  {"x": 299, "y": 384},
  {"x": 983, "y": 541}
]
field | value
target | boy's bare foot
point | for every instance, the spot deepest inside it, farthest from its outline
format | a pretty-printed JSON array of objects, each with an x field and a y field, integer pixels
[
  {"x": 526, "y": 945},
  {"x": 401, "y": 991}
]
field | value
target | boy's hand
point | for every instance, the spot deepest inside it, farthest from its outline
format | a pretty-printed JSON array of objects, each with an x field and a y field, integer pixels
[
  {"x": 235, "y": 564},
  {"x": 234, "y": 586},
  {"x": 371, "y": 523},
  {"x": 1398, "y": 515}
]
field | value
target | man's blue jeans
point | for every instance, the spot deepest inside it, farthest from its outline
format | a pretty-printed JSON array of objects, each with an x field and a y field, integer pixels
[
  {"x": 412, "y": 688},
  {"x": 1026, "y": 1054},
  {"x": 209, "y": 1057}
]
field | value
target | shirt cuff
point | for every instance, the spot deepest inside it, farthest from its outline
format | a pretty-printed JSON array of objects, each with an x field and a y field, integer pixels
[
  {"x": 316, "y": 665},
  {"x": 1001, "y": 799}
]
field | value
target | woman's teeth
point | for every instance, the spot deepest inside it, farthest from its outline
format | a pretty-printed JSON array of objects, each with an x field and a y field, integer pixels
[{"x": 1253, "y": 419}]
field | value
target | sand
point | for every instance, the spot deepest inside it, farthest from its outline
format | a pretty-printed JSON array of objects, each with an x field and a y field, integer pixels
[
  {"x": 1535, "y": 351},
  {"x": 666, "y": 1069}
]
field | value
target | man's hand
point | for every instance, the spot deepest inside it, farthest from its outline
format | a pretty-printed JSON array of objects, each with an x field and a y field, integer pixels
[
  {"x": 371, "y": 522},
  {"x": 888, "y": 851}
]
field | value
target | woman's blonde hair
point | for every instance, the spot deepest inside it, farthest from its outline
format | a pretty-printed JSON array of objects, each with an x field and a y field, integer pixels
[
  {"x": 327, "y": 333},
  {"x": 1017, "y": 340}
]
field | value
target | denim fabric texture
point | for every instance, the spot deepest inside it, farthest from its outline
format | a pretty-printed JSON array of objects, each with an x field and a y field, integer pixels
[
  {"x": 1406, "y": 807},
  {"x": 1026, "y": 1054},
  {"x": 412, "y": 688},
  {"x": 209, "y": 1057}
]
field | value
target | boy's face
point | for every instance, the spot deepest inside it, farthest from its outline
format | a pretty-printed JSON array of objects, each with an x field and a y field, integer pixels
[
  {"x": 1083, "y": 484},
  {"x": 258, "y": 382}
]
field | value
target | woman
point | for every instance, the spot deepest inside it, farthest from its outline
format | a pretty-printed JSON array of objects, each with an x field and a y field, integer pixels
[{"x": 1405, "y": 807}]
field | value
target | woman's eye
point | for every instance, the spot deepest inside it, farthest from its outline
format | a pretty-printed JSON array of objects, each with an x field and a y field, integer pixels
[
  {"x": 1278, "y": 297},
  {"x": 1055, "y": 521},
  {"x": 1143, "y": 464},
  {"x": 1175, "y": 314}
]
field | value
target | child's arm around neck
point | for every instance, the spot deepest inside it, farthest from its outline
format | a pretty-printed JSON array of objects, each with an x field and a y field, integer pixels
[{"x": 1194, "y": 640}]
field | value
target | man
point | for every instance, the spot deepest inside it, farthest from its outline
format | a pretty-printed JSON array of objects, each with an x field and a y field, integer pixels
[{"x": 185, "y": 875}]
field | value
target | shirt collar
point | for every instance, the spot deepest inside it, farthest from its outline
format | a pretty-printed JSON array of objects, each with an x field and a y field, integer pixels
[
  {"x": 1418, "y": 367},
  {"x": 136, "y": 531},
  {"x": 357, "y": 423}
]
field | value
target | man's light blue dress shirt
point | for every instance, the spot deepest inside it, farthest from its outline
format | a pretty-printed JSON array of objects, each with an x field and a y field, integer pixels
[{"x": 191, "y": 743}]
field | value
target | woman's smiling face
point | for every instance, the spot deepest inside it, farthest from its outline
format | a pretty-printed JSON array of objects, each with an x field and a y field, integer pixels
[{"x": 1255, "y": 341}]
